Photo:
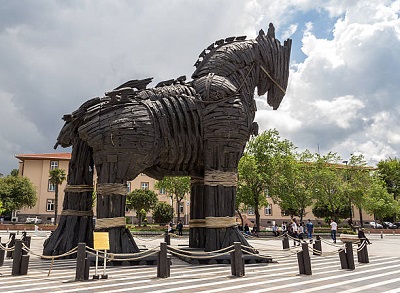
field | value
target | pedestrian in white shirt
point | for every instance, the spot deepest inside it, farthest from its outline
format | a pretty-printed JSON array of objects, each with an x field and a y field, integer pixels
[{"x": 333, "y": 230}]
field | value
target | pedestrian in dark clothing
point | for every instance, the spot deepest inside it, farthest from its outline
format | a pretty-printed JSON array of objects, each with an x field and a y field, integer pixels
[
  {"x": 310, "y": 230},
  {"x": 361, "y": 235},
  {"x": 179, "y": 227},
  {"x": 246, "y": 229}
]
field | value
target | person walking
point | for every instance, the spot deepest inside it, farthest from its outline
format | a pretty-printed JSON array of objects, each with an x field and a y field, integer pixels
[
  {"x": 333, "y": 230},
  {"x": 310, "y": 230},
  {"x": 300, "y": 232},
  {"x": 293, "y": 231},
  {"x": 275, "y": 230},
  {"x": 180, "y": 228}
]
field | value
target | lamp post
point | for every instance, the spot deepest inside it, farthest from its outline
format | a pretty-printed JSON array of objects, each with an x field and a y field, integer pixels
[{"x": 351, "y": 212}]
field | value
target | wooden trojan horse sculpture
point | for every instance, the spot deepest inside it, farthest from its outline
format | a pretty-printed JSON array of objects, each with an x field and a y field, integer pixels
[{"x": 197, "y": 128}]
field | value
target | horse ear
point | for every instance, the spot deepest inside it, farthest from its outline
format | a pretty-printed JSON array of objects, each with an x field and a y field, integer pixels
[{"x": 261, "y": 33}]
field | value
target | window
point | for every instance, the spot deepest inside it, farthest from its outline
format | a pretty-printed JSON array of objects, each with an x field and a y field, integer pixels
[
  {"x": 181, "y": 207},
  {"x": 51, "y": 187},
  {"x": 162, "y": 191},
  {"x": 53, "y": 165},
  {"x": 266, "y": 193},
  {"x": 144, "y": 185},
  {"x": 268, "y": 210},
  {"x": 128, "y": 187},
  {"x": 250, "y": 211},
  {"x": 50, "y": 205}
]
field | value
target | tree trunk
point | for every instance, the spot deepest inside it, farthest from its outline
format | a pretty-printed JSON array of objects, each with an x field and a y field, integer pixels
[
  {"x": 73, "y": 227},
  {"x": 257, "y": 214},
  {"x": 139, "y": 217},
  {"x": 178, "y": 202},
  {"x": 241, "y": 218}
]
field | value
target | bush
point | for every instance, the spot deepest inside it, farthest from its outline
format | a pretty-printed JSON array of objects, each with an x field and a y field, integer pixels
[{"x": 163, "y": 213}]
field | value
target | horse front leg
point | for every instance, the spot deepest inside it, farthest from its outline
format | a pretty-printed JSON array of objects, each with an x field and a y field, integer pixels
[
  {"x": 111, "y": 202},
  {"x": 220, "y": 181}
]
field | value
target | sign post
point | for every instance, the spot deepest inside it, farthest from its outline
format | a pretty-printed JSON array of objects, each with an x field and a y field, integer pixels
[{"x": 101, "y": 242}]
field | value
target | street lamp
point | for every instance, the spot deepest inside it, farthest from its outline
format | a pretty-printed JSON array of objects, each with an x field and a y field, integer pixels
[{"x": 351, "y": 211}]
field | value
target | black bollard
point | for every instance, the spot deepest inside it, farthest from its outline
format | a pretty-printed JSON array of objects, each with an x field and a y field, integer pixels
[
  {"x": 17, "y": 257},
  {"x": 362, "y": 254},
  {"x": 87, "y": 267},
  {"x": 350, "y": 256},
  {"x": 80, "y": 262},
  {"x": 2, "y": 255},
  {"x": 24, "y": 265},
  {"x": 167, "y": 239},
  {"x": 343, "y": 260},
  {"x": 237, "y": 262},
  {"x": 346, "y": 257},
  {"x": 304, "y": 261},
  {"x": 163, "y": 262},
  {"x": 317, "y": 247},
  {"x": 27, "y": 241},
  {"x": 285, "y": 242},
  {"x": 11, "y": 244}
]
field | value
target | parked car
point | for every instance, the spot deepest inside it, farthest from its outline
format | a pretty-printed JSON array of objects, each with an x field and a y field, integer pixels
[
  {"x": 35, "y": 220},
  {"x": 374, "y": 225},
  {"x": 389, "y": 225},
  {"x": 396, "y": 225}
]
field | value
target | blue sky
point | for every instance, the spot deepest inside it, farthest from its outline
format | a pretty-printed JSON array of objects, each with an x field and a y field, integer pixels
[{"x": 343, "y": 93}]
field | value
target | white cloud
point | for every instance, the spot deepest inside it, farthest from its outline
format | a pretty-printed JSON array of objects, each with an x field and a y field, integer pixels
[{"x": 342, "y": 97}]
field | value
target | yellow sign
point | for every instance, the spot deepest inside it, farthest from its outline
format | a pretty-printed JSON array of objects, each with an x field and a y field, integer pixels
[{"x": 101, "y": 241}]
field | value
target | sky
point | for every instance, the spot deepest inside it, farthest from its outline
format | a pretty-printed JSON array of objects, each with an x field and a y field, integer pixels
[{"x": 344, "y": 82}]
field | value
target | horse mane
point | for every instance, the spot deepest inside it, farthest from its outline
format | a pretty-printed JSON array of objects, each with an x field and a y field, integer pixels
[{"x": 213, "y": 47}]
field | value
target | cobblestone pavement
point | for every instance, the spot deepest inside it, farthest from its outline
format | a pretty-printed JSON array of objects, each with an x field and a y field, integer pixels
[{"x": 381, "y": 274}]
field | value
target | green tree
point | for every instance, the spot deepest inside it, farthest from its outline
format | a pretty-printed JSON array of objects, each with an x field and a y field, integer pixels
[
  {"x": 163, "y": 213},
  {"x": 176, "y": 188},
  {"x": 141, "y": 199},
  {"x": 16, "y": 192},
  {"x": 379, "y": 202},
  {"x": 329, "y": 190},
  {"x": 272, "y": 159},
  {"x": 389, "y": 171},
  {"x": 1, "y": 208},
  {"x": 300, "y": 185},
  {"x": 14, "y": 172},
  {"x": 57, "y": 177},
  {"x": 251, "y": 187},
  {"x": 357, "y": 181}
]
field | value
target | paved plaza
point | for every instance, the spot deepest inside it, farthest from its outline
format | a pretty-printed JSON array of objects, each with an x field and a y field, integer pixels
[{"x": 381, "y": 274}]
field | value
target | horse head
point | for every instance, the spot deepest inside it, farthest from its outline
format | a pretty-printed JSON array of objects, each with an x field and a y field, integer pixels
[{"x": 274, "y": 66}]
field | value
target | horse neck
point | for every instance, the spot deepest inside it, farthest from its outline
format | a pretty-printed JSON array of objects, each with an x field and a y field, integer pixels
[{"x": 237, "y": 62}]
